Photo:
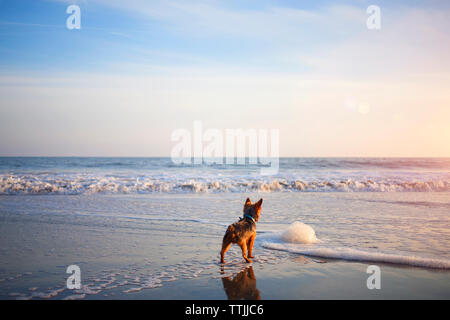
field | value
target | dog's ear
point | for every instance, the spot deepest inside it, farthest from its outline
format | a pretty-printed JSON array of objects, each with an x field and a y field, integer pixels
[
  {"x": 257, "y": 207},
  {"x": 247, "y": 204}
]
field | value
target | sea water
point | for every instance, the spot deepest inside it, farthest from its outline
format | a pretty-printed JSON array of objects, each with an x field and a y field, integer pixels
[{"x": 144, "y": 228}]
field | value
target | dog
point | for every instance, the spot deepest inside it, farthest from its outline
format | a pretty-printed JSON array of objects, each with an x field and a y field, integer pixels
[{"x": 243, "y": 232}]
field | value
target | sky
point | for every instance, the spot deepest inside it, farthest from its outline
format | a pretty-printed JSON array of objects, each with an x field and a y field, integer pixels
[{"x": 138, "y": 70}]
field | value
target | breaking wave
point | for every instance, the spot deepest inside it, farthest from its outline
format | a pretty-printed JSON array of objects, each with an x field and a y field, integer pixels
[{"x": 11, "y": 184}]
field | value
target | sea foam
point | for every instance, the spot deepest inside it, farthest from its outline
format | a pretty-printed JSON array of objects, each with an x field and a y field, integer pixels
[
  {"x": 301, "y": 238},
  {"x": 299, "y": 232},
  {"x": 118, "y": 184},
  {"x": 352, "y": 254}
]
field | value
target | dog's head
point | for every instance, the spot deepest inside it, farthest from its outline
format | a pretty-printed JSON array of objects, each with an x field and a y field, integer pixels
[{"x": 253, "y": 209}]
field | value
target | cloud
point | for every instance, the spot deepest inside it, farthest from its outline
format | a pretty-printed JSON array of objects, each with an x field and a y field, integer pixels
[
  {"x": 325, "y": 40},
  {"x": 410, "y": 42},
  {"x": 209, "y": 18}
]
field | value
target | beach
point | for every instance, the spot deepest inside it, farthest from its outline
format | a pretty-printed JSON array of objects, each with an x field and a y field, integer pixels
[
  {"x": 165, "y": 245},
  {"x": 133, "y": 133}
]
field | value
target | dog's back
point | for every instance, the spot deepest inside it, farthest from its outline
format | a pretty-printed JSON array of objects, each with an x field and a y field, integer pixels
[{"x": 239, "y": 231}]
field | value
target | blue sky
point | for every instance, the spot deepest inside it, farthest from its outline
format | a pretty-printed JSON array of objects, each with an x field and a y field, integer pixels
[
  {"x": 34, "y": 34},
  {"x": 137, "y": 70}
]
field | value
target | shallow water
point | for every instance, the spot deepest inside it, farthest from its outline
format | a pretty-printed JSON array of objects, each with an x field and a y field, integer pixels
[{"x": 167, "y": 245}]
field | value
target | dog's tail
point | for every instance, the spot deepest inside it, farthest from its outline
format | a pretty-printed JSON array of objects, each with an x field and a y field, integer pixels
[{"x": 229, "y": 234}]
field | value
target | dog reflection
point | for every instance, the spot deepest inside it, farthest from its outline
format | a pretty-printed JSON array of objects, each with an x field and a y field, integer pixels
[{"x": 242, "y": 286}]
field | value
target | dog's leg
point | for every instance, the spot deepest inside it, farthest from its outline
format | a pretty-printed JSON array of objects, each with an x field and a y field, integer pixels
[
  {"x": 251, "y": 241},
  {"x": 244, "y": 252},
  {"x": 225, "y": 246}
]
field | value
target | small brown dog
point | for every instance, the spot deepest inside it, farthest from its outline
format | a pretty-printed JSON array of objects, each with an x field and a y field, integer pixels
[{"x": 243, "y": 232}]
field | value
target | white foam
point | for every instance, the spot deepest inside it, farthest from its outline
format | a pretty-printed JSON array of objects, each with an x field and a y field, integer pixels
[
  {"x": 47, "y": 295},
  {"x": 352, "y": 254},
  {"x": 75, "y": 297},
  {"x": 89, "y": 290},
  {"x": 299, "y": 232},
  {"x": 132, "y": 290},
  {"x": 97, "y": 183},
  {"x": 301, "y": 238}
]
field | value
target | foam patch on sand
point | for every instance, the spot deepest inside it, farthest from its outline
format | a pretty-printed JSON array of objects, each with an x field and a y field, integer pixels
[
  {"x": 352, "y": 254},
  {"x": 301, "y": 238},
  {"x": 299, "y": 232}
]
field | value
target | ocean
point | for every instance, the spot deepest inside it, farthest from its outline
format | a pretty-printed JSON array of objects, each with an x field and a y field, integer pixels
[{"x": 146, "y": 228}]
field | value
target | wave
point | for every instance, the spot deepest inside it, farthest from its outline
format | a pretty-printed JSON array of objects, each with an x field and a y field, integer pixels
[
  {"x": 11, "y": 184},
  {"x": 351, "y": 254}
]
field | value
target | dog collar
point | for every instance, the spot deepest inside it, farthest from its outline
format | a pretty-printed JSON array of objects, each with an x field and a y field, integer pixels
[{"x": 249, "y": 216}]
